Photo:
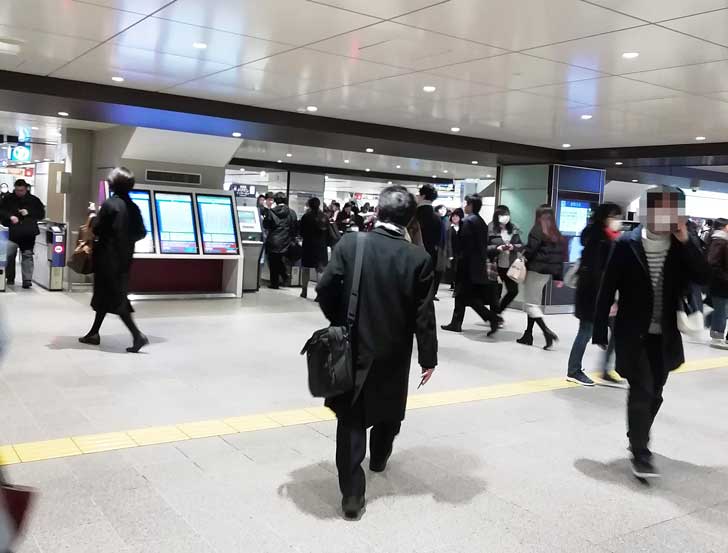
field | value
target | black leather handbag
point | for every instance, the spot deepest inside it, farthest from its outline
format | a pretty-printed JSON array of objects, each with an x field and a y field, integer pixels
[{"x": 329, "y": 352}]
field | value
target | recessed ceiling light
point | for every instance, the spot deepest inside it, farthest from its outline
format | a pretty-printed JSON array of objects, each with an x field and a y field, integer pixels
[
  {"x": 586, "y": 117},
  {"x": 635, "y": 180},
  {"x": 474, "y": 162},
  {"x": 63, "y": 113},
  {"x": 389, "y": 182},
  {"x": 700, "y": 138},
  {"x": 619, "y": 163},
  {"x": 455, "y": 129},
  {"x": 399, "y": 166},
  {"x": 279, "y": 161},
  {"x": 444, "y": 170},
  {"x": 199, "y": 45},
  {"x": 47, "y": 159},
  {"x": 370, "y": 150},
  {"x": 33, "y": 128},
  {"x": 429, "y": 88},
  {"x": 566, "y": 145},
  {"x": 237, "y": 134},
  {"x": 117, "y": 79},
  {"x": 242, "y": 169},
  {"x": 346, "y": 161},
  {"x": 36, "y": 161},
  {"x": 312, "y": 109},
  {"x": 630, "y": 55},
  {"x": 262, "y": 173},
  {"x": 367, "y": 170},
  {"x": 488, "y": 176},
  {"x": 289, "y": 154},
  {"x": 434, "y": 176}
]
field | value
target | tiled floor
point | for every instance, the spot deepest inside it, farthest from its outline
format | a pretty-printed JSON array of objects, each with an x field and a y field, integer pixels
[{"x": 541, "y": 472}]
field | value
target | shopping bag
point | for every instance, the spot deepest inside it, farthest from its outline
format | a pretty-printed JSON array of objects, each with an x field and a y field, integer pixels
[
  {"x": 81, "y": 260},
  {"x": 517, "y": 271}
]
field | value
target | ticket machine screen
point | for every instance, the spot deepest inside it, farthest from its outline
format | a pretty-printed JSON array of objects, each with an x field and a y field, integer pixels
[
  {"x": 176, "y": 222},
  {"x": 142, "y": 198},
  {"x": 217, "y": 220}
]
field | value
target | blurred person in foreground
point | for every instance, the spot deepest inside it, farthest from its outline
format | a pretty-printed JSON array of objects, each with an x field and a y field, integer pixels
[
  {"x": 117, "y": 228},
  {"x": 471, "y": 277},
  {"x": 597, "y": 239},
  {"x": 395, "y": 303},
  {"x": 652, "y": 268}
]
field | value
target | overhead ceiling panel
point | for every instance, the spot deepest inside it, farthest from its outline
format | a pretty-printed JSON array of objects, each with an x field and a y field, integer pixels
[
  {"x": 385, "y": 9},
  {"x": 410, "y": 86},
  {"x": 661, "y": 10},
  {"x": 518, "y": 25},
  {"x": 606, "y": 91},
  {"x": 170, "y": 37},
  {"x": 146, "y": 68},
  {"x": 293, "y": 21},
  {"x": 405, "y": 46},
  {"x": 64, "y": 17},
  {"x": 181, "y": 147},
  {"x": 657, "y": 48},
  {"x": 711, "y": 26},
  {"x": 144, "y": 7},
  {"x": 517, "y": 71},
  {"x": 704, "y": 78}
]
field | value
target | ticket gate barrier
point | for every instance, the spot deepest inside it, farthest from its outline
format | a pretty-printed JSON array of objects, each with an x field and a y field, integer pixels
[
  {"x": 50, "y": 255},
  {"x": 3, "y": 256}
]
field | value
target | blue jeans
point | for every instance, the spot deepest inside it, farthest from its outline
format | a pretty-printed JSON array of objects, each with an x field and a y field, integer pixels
[
  {"x": 719, "y": 315},
  {"x": 583, "y": 337}
]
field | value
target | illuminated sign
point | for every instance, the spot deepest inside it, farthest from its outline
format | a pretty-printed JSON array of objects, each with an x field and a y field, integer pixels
[{"x": 20, "y": 154}]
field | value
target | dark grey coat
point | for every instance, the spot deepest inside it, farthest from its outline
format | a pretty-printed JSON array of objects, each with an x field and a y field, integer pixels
[{"x": 395, "y": 304}]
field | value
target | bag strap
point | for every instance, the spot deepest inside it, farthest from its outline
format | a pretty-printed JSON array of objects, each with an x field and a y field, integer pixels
[{"x": 354, "y": 297}]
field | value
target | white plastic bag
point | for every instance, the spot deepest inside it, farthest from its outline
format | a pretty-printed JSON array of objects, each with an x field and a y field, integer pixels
[{"x": 517, "y": 271}]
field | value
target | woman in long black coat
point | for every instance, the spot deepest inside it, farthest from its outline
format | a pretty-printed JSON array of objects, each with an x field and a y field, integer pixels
[
  {"x": 117, "y": 228},
  {"x": 315, "y": 234}
]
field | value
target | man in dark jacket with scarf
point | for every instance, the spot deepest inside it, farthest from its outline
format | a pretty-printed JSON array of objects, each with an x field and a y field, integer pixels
[
  {"x": 20, "y": 212},
  {"x": 652, "y": 268},
  {"x": 281, "y": 224},
  {"x": 395, "y": 304}
]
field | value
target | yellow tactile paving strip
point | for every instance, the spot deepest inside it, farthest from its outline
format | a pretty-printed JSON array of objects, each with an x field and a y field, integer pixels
[{"x": 82, "y": 445}]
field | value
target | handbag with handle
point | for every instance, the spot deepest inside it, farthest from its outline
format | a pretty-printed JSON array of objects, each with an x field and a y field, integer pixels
[
  {"x": 328, "y": 351},
  {"x": 81, "y": 260},
  {"x": 690, "y": 318},
  {"x": 517, "y": 271}
]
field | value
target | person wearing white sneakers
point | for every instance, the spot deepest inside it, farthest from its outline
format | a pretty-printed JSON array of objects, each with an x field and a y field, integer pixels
[{"x": 718, "y": 260}]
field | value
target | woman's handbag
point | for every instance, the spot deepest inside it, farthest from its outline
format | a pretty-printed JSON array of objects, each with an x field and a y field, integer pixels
[
  {"x": 517, "y": 271},
  {"x": 81, "y": 260},
  {"x": 294, "y": 252},
  {"x": 571, "y": 278},
  {"x": 690, "y": 318},
  {"x": 328, "y": 351}
]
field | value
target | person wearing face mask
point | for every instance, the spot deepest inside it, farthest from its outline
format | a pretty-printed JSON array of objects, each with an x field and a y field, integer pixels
[
  {"x": 504, "y": 245},
  {"x": 597, "y": 239},
  {"x": 452, "y": 244},
  {"x": 651, "y": 268}
]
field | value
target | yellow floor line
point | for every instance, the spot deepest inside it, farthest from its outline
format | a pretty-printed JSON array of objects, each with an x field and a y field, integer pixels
[{"x": 95, "y": 443}]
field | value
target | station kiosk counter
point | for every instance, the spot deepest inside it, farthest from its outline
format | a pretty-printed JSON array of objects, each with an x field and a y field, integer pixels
[
  {"x": 192, "y": 248},
  {"x": 50, "y": 255},
  {"x": 251, "y": 239}
]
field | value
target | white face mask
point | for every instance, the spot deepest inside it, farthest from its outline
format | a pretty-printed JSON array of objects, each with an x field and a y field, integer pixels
[
  {"x": 504, "y": 219},
  {"x": 615, "y": 225}
]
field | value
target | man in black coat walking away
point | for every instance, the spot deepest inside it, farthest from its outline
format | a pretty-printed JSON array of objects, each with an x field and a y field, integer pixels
[
  {"x": 471, "y": 280},
  {"x": 395, "y": 304},
  {"x": 281, "y": 224},
  {"x": 651, "y": 268},
  {"x": 20, "y": 212}
]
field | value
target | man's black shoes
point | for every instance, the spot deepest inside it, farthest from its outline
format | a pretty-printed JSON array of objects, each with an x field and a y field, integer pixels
[
  {"x": 451, "y": 328},
  {"x": 643, "y": 468},
  {"x": 353, "y": 507}
]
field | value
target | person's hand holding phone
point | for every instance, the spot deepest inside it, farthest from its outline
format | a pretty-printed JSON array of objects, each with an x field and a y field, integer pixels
[
  {"x": 426, "y": 376},
  {"x": 559, "y": 283},
  {"x": 14, "y": 220},
  {"x": 24, "y": 212},
  {"x": 682, "y": 231}
]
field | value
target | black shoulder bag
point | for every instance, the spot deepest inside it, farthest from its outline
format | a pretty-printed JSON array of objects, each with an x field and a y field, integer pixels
[{"x": 328, "y": 351}]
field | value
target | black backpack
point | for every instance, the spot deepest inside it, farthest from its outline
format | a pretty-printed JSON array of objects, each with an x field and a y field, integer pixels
[{"x": 328, "y": 351}]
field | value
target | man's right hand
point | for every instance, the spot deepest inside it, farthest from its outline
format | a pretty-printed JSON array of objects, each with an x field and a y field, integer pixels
[
  {"x": 426, "y": 375},
  {"x": 14, "y": 220}
]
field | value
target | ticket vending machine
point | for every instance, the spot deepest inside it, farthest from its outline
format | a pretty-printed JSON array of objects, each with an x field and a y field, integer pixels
[
  {"x": 50, "y": 255},
  {"x": 251, "y": 237},
  {"x": 3, "y": 255}
]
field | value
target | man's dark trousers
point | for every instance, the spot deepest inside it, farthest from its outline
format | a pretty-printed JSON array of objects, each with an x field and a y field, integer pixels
[
  {"x": 351, "y": 448},
  {"x": 645, "y": 394}
]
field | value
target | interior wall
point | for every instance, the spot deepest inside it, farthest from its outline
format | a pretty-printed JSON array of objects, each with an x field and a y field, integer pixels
[
  {"x": 212, "y": 177},
  {"x": 523, "y": 188}
]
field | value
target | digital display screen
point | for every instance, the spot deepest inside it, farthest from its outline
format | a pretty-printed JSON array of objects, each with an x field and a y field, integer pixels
[
  {"x": 176, "y": 223},
  {"x": 573, "y": 216},
  {"x": 248, "y": 217},
  {"x": 217, "y": 220},
  {"x": 142, "y": 199}
]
